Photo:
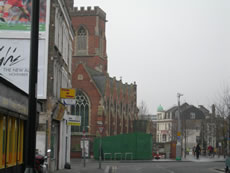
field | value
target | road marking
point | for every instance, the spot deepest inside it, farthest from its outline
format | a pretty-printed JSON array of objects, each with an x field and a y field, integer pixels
[
  {"x": 169, "y": 171},
  {"x": 216, "y": 170},
  {"x": 138, "y": 169},
  {"x": 114, "y": 169}
]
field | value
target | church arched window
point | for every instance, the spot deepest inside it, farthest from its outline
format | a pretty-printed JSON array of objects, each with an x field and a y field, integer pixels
[
  {"x": 81, "y": 108},
  {"x": 82, "y": 39}
]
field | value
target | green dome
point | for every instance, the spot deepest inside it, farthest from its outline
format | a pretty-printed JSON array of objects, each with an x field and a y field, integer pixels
[{"x": 160, "y": 109}]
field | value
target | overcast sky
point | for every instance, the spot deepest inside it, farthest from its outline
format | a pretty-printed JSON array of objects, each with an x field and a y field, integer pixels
[{"x": 169, "y": 46}]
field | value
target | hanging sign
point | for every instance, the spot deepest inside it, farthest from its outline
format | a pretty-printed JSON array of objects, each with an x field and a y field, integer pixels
[
  {"x": 74, "y": 120},
  {"x": 69, "y": 101},
  {"x": 67, "y": 93}
]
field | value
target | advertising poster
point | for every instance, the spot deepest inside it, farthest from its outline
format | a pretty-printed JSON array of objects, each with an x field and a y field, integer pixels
[
  {"x": 15, "y": 15},
  {"x": 14, "y": 64}
]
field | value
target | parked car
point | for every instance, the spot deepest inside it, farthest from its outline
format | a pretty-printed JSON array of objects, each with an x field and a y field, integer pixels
[{"x": 157, "y": 155}]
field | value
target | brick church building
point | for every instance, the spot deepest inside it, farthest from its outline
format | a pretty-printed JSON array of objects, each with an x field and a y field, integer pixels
[{"x": 107, "y": 106}]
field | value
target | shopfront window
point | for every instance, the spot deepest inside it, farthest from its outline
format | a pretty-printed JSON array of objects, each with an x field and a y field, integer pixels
[
  {"x": 11, "y": 142},
  {"x": 2, "y": 141},
  {"x": 20, "y": 142}
]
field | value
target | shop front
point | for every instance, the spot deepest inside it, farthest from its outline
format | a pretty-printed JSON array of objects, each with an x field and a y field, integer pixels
[{"x": 13, "y": 120}]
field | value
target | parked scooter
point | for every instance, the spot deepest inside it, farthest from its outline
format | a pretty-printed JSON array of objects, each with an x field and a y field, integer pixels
[{"x": 41, "y": 164}]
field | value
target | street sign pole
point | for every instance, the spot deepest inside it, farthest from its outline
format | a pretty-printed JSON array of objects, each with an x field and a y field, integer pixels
[
  {"x": 100, "y": 152},
  {"x": 178, "y": 145},
  {"x": 84, "y": 145}
]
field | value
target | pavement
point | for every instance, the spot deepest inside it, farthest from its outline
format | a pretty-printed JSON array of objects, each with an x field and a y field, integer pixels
[
  {"x": 108, "y": 166},
  {"x": 191, "y": 158},
  {"x": 91, "y": 166},
  {"x": 204, "y": 159}
]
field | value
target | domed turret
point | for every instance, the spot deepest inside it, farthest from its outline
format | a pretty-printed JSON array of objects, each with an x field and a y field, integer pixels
[{"x": 160, "y": 109}]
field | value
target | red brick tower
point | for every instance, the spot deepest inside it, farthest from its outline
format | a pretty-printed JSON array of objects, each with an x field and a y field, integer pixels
[
  {"x": 101, "y": 101},
  {"x": 90, "y": 41}
]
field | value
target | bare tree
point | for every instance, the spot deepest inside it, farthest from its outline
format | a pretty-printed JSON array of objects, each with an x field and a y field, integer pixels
[
  {"x": 223, "y": 112},
  {"x": 143, "y": 109},
  {"x": 223, "y": 104}
]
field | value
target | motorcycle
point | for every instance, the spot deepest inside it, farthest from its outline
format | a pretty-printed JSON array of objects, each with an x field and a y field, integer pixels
[{"x": 41, "y": 164}]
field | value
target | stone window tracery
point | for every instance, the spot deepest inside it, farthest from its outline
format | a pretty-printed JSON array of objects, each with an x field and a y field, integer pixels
[
  {"x": 81, "y": 108},
  {"x": 82, "y": 41}
]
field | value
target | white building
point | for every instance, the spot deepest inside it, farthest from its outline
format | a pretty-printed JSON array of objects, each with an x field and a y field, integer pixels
[
  {"x": 164, "y": 126},
  {"x": 53, "y": 132}
]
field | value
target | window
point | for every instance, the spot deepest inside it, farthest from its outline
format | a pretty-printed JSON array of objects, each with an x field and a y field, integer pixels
[
  {"x": 101, "y": 44},
  {"x": 82, "y": 109},
  {"x": 192, "y": 115},
  {"x": 70, "y": 56},
  {"x": 164, "y": 137},
  {"x": 20, "y": 142},
  {"x": 60, "y": 33},
  {"x": 81, "y": 39},
  {"x": 11, "y": 143},
  {"x": 56, "y": 27},
  {"x": 65, "y": 46}
]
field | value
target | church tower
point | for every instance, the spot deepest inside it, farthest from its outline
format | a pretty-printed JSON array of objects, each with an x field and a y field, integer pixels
[{"x": 89, "y": 45}]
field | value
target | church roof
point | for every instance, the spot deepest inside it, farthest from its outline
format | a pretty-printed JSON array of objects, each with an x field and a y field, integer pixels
[{"x": 99, "y": 79}]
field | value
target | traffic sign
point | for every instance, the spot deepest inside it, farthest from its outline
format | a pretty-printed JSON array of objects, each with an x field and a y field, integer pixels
[
  {"x": 178, "y": 134},
  {"x": 101, "y": 129},
  {"x": 99, "y": 123}
]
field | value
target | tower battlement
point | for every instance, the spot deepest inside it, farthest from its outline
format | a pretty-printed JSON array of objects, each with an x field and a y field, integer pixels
[{"x": 88, "y": 11}]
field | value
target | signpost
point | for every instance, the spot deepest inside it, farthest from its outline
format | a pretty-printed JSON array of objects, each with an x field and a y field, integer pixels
[
  {"x": 100, "y": 128},
  {"x": 84, "y": 144}
]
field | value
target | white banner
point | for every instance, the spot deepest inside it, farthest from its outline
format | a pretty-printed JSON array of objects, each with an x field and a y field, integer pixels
[
  {"x": 14, "y": 64},
  {"x": 74, "y": 120},
  {"x": 69, "y": 101}
]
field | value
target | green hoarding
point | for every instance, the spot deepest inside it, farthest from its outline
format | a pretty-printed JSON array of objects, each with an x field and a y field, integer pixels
[{"x": 137, "y": 146}]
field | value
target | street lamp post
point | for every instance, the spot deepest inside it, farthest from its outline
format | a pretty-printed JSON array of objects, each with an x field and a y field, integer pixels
[
  {"x": 178, "y": 145},
  {"x": 32, "y": 106}
]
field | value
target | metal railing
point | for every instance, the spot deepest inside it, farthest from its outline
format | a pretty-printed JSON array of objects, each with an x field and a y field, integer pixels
[
  {"x": 117, "y": 154},
  {"x": 105, "y": 154},
  {"x": 127, "y": 154}
]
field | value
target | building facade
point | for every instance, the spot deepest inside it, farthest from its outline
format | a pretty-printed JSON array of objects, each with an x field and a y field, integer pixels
[
  {"x": 165, "y": 126},
  {"x": 53, "y": 132},
  {"x": 193, "y": 127},
  {"x": 13, "y": 124},
  {"x": 107, "y": 106}
]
